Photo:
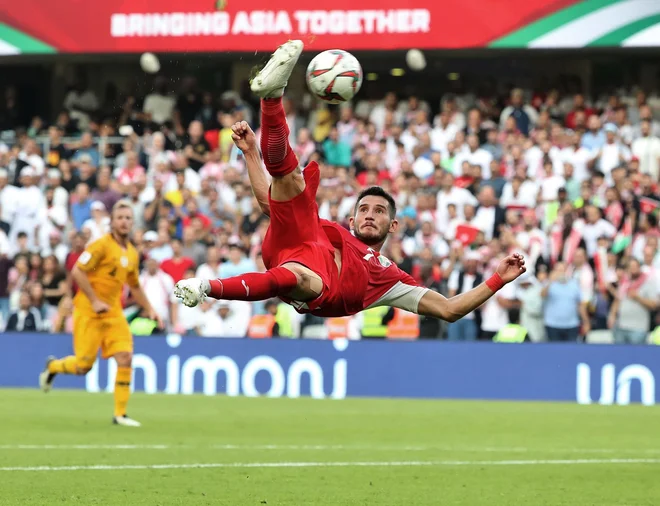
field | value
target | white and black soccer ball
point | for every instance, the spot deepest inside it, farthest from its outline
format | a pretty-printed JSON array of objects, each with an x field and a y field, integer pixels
[{"x": 334, "y": 76}]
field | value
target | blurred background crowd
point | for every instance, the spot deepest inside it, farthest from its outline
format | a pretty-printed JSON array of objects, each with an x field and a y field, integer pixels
[{"x": 570, "y": 180}]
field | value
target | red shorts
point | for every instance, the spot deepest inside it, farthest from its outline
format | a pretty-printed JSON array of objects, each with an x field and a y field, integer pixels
[{"x": 295, "y": 235}]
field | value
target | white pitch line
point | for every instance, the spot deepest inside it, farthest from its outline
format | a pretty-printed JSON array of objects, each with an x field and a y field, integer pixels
[
  {"x": 412, "y": 463},
  {"x": 85, "y": 447},
  {"x": 280, "y": 447}
]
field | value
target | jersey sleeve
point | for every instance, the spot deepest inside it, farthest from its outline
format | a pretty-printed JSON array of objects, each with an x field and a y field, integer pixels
[
  {"x": 92, "y": 256},
  {"x": 407, "y": 279}
]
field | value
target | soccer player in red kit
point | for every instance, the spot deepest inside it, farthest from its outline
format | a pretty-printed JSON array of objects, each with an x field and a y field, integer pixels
[{"x": 316, "y": 265}]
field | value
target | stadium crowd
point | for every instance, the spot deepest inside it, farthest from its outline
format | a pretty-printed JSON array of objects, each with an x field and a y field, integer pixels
[{"x": 569, "y": 180}]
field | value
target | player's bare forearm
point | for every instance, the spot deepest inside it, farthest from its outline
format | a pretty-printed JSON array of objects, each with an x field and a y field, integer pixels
[
  {"x": 141, "y": 298},
  {"x": 454, "y": 308},
  {"x": 83, "y": 283},
  {"x": 257, "y": 179}
]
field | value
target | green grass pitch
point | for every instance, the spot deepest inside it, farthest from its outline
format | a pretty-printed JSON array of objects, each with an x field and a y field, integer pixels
[{"x": 60, "y": 449}]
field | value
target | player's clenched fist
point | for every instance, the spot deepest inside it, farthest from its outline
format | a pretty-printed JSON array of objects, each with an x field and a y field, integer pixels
[
  {"x": 511, "y": 267},
  {"x": 243, "y": 136}
]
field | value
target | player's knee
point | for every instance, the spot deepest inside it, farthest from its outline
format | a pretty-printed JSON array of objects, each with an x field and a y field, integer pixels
[
  {"x": 309, "y": 285},
  {"x": 288, "y": 187},
  {"x": 83, "y": 367},
  {"x": 124, "y": 358}
]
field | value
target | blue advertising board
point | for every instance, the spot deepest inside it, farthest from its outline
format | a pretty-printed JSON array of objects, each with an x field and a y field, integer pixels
[{"x": 606, "y": 374}]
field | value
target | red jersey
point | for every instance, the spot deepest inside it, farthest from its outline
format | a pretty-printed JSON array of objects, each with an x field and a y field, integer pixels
[
  {"x": 177, "y": 268},
  {"x": 365, "y": 276}
]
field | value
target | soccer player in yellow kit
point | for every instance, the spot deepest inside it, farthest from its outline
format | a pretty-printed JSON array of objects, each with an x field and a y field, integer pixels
[{"x": 101, "y": 272}]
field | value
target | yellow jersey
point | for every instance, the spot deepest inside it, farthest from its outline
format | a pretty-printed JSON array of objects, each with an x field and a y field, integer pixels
[{"x": 109, "y": 266}]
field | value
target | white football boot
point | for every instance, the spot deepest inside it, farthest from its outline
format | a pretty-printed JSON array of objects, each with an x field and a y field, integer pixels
[
  {"x": 126, "y": 421},
  {"x": 192, "y": 291},
  {"x": 273, "y": 78},
  {"x": 46, "y": 378}
]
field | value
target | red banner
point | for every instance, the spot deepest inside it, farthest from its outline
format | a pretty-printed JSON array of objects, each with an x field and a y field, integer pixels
[{"x": 85, "y": 26}]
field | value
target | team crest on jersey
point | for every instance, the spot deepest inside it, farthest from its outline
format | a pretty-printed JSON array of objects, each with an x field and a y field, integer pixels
[
  {"x": 384, "y": 261},
  {"x": 124, "y": 262}
]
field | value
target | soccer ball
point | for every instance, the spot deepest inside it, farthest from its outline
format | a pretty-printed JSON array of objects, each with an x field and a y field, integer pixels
[{"x": 334, "y": 76}]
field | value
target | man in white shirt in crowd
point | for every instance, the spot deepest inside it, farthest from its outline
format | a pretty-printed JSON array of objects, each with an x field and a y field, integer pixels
[
  {"x": 489, "y": 215},
  {"x": 613, "y": 153},
  {"x": 211, "y": 268},
  {"x": 443, "y": 132},
  {"x": 578, "y": 156},
  {"x": 159, "y": 105},
  {"x": 159, "y": 287},
  {"x": 518, "y": 193},
  {"x": 225, "y": 318},
  {"x": 450, "y": 194},
  {"x": 29, "y": 207},
  {"x": 8, "y": 197},
  {"x": 475, "y": 156},
  {"x": 594, "y": 228},
  {"x": 647, "y": 149},
  {"x": 99, "y": 224},
  {"x": 551, "y": 182}
]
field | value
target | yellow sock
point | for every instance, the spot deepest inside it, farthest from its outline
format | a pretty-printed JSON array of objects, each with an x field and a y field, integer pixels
[
  {"x": 66, "y": 365},
  {"x": 122, "y": 389}
]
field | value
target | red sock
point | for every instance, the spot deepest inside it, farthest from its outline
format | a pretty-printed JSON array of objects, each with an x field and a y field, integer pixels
[
  {"x": 254, "y": 285},
  {"x": 279, "y": 158}
]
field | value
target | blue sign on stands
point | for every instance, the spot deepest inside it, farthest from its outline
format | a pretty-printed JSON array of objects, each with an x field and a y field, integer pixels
[{"x": 605, "y": 374}]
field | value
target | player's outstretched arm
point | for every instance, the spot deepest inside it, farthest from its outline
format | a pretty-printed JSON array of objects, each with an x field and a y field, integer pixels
[
  {"x": 455, "y": 308},
  {"x": 246, "y": 141}
]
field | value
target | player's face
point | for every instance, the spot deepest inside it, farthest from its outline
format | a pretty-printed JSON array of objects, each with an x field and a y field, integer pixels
[
  {"x": 122, "y": 222},
  {"x": 372, "y": 222}
]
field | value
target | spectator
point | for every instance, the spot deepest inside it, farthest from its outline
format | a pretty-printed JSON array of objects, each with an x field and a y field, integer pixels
[
  {"x": 26, "y": 319},
  {"x": 495, "y": 312},
  {"x": 158, "y": 286},
  {"x": 461, "y": 281},
  {"x": 211, "y": 269},
  {"x": 178, "y": 264},
  {"x": 613, "y": 152},
  {"x": 9, "y": 196},
  {"x": 56, "y": 150},
  {"x": 337, "y": 152},
  {"x": 194, "y": 249},
  {"x": 524, "y": 115},
  {"x": 531, "y": 304},
  {"x": 185, "y": 319},
  {"x": 196, "y": 147},
  {"x": 81, "y": 208},
  {"x": 563, "y": 308},
  {"x": 53, "y": 281},
  {"x": 86, "y": 152},
  {"x": 81, "y": 102},
  {"x": 237, "y": 263},
  {"x": 159, "y": 105},
  {"x": 225, "y": 318},
  {"x": 159, "y": 245},
  {"x": 104, "y": 192},
  {"x": 62, "y": 320},
  {"x": 647, "y": 149},
  {"x": 99, "y": 224},
  {"x": 77, "y": 248},
  {"x": 637, "y": 298}
]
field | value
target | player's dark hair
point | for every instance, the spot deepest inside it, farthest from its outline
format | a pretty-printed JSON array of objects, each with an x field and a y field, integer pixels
[{"x": 377, "y": 191}]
